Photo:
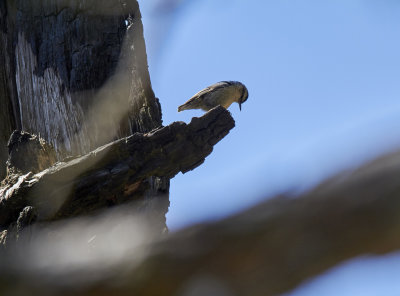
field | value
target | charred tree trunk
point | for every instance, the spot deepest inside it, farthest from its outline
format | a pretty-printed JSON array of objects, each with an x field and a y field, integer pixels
[{"x": 75, "y": 73}]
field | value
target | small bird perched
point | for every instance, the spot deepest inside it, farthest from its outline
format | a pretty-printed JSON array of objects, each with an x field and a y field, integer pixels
[{"x": 222, "y": 93}]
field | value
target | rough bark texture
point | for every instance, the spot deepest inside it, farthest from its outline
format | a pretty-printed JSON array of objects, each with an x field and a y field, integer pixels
[
  {"x": 267, "y": 250},
  {"x": 112, "y": 174},
  {"x": 75, "y": 74},
  {"x": 28, "y": 153},
  {"x": 9, "y": 117},
  {"x": 67, "y": 62}
]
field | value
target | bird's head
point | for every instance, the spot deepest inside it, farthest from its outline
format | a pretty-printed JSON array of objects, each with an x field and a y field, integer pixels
[{"x": 243, "y": 97}]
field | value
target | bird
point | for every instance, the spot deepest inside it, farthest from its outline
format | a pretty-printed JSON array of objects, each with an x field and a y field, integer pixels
[{"x": 222, "y": 93}]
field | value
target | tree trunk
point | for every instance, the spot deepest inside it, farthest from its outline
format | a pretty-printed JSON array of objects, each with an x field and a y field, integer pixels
[{"x": 75, "y": 73}]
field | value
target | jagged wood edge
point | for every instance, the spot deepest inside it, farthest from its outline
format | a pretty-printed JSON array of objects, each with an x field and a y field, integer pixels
[{"x": 98, "y": 179}]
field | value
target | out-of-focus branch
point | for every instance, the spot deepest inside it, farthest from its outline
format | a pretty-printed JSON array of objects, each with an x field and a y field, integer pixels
[
  {"x": 274, "y": 246},
  {"x": 100, "y": 178}
]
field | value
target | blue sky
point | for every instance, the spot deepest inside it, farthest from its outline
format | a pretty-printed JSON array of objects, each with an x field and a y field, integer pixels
[
  {"x": 366, "y": 276},
  {"x": 323, "y": 78}
]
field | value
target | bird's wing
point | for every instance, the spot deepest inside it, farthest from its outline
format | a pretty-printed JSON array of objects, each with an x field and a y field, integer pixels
[{"x": 208, "y": 89}]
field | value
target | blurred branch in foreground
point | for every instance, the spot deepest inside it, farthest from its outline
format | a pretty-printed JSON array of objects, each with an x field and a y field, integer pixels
[{"x": 266, "y": 250}]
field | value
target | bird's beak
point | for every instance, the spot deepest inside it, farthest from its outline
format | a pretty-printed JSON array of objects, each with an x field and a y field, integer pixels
[{"x": 240, "y": 106}]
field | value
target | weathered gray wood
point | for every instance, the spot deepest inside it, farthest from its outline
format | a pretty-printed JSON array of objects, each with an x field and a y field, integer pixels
[
  {"x": 75, "y": 73},
  {"x": 114, "y": 173}
]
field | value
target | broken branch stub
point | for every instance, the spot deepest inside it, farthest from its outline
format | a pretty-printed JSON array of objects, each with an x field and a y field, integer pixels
[{"x": 99, "y": 179}]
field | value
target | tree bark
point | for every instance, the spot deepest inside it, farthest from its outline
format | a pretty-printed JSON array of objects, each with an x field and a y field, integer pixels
[
  {"x": 75, "y": 73},
  {"x": 114, "y": 173}
]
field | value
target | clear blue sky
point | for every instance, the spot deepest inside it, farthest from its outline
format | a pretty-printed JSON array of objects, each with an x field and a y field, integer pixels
[{"x": 323, "y": 78}]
